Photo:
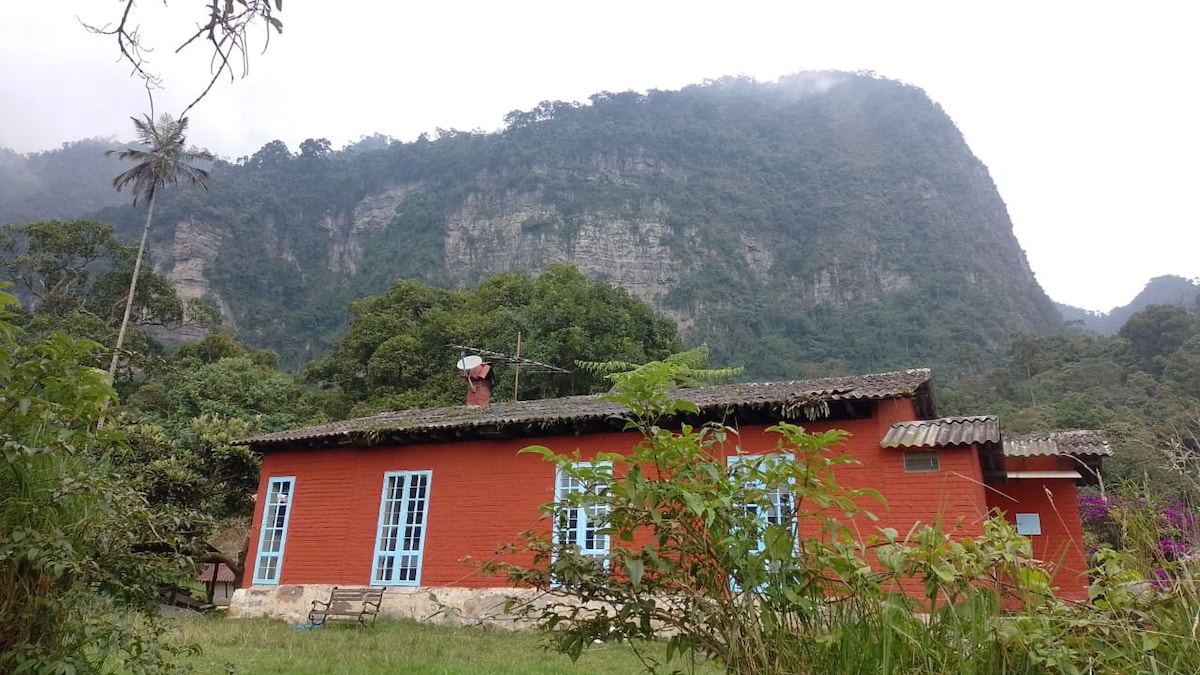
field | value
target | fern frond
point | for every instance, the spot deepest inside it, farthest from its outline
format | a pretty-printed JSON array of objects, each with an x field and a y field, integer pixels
[
  {"x": 606, "y": 367},
  {"x": 712, "y": 375},
  {"x": 692, "y": 358}
]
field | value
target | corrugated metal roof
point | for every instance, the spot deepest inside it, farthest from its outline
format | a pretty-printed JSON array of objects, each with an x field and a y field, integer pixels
[
  {"x": 945, "y": 432},
  {"x": 1082, "y": 442},
  {"x": 788, "y": 399}
]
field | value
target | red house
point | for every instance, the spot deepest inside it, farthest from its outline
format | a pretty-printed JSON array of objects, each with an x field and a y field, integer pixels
[{"x": 413, "y": 500}]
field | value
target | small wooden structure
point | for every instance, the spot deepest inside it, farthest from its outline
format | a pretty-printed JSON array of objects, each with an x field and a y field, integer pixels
[{"x": 219, "y": 583}]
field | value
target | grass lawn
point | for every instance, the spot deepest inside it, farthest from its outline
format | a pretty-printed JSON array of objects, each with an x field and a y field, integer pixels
[{"x": 249, "y": 646}]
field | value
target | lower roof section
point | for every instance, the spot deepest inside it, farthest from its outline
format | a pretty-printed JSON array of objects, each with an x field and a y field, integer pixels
[
  {"x": 943, "y": 433},
  {"x": 1080, "y": 443},
  {"x": 984, "y": 430},
  {"x": 1074, "y": 475}
]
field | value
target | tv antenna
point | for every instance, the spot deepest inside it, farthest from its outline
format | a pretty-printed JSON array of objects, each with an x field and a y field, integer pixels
[{"x": 477, "y": 355}]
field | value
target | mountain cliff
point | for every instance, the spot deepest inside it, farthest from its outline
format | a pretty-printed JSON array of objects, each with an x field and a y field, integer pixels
[{"x": 826, "y": 216}]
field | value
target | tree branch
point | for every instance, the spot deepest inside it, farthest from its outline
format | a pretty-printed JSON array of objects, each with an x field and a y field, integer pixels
[{"x": 224, "y": 28}]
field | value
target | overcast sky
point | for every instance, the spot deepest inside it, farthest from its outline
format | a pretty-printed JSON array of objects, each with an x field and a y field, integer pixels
[{"x": 1086, "y": 113}]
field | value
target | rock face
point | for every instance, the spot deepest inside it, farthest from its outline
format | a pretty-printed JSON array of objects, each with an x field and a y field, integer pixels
[
  {"x": 824, "y": 216},
  {"x": 492, "y": 234},
  {"x": 348, "y": 234},
  {"x": 193, "y": 246}
]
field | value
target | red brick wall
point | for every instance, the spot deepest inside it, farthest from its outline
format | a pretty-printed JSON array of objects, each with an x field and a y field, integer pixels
[
  {"x": 1060, "y": 545},
  {"x": 482, "y": 493}
]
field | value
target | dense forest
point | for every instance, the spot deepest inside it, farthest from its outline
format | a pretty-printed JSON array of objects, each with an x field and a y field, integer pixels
[{"x": 1140, "y": 386}]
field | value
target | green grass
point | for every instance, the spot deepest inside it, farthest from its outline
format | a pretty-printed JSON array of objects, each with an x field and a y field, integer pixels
[{"x": 251, "y": 646}]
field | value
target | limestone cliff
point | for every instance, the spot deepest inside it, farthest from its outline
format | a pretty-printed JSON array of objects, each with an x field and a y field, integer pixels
[{"x": 824, "y": 216}]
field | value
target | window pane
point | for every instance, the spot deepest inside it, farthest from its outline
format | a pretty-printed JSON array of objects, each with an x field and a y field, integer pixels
[
  {"x": 273, "y": 530},
  {"x": 402, "y": 515},
  {"x": 580, "y": 526}
]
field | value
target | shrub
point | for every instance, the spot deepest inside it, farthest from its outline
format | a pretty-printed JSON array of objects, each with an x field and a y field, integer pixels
[{"x": 76, "y": 594}]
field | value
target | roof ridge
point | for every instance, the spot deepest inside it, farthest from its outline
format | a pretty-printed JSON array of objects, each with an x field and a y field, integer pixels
[{"x": 591, "y": 408}]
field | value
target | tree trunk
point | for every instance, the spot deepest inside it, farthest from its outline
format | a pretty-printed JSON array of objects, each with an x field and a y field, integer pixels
[{"x": 137, "y": 269}]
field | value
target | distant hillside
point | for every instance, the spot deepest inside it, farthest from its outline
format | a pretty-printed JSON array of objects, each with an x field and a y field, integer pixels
[
  {"x": 72, "y": 181},
  {"x": 827, "y": 216},
  {"x": 1164, "y": 290}
]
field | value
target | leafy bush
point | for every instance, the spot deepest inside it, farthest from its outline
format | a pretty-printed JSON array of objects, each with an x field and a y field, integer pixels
[{"x": 77, "y": 576}]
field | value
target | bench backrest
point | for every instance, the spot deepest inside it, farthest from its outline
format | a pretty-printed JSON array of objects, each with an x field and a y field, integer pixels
[{"x": 356, "y": 595}]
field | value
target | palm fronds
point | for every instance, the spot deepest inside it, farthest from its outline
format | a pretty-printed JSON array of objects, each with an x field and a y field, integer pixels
[{"x": 165, "y": 159}]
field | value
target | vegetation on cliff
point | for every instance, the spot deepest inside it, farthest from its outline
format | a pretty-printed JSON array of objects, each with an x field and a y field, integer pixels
[{"x": 824, "y": 216}]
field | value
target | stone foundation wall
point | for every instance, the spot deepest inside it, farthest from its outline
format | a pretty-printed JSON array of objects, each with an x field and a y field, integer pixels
[{"x": 448, "y": 606}]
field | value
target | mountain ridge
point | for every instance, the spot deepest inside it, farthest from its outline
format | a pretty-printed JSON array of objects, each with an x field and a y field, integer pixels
[
  {"x": 824, "y": 217},
  {"x": 1168, "y": 289}
]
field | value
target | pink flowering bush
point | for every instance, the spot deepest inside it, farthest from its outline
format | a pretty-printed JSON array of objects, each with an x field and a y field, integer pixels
[{"x": 1158, "y": 535}]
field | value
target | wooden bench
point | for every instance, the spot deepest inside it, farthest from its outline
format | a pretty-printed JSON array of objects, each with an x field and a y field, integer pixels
[{"x": 347, "y": 603}]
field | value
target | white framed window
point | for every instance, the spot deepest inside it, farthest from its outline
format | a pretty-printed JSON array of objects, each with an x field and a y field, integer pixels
[
  {"x": 923, "y": 461},
  {"x": 580, "y": 526},
  {"x": 403, "y": 512},
  {"x": 780, "y": 507},
  {"x": 273, "y": 534}
]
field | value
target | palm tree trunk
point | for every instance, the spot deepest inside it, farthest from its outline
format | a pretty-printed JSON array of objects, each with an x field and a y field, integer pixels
[{"x": 137, "y": 269}]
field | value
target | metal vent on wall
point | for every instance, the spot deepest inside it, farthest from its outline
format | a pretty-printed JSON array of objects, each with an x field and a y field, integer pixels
[{"x": 922, "y": 462}]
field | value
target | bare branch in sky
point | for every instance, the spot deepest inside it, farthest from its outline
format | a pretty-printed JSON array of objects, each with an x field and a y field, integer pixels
[{"x": 224, "y": 28}]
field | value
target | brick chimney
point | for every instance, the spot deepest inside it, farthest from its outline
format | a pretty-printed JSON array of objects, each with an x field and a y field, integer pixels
[{"x": 479, "y": 386}]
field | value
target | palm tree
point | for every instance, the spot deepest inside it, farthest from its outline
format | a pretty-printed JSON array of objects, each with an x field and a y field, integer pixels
[{"x": 163, "y": 161}]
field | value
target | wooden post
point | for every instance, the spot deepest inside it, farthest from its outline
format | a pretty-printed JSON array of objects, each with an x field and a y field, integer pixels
[
  {"x": 517, "y": 376},
  {"x": 210, "y": 588}
]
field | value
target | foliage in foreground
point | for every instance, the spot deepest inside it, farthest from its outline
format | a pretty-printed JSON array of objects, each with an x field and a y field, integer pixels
[
  {"x": 712, "y": 557},
  {"x": 77, "y": 591}
]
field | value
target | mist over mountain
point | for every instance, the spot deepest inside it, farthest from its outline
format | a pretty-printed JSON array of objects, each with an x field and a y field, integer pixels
[
  {"x": 826, "y": 217},
  {"x": 71, "y": 181}
]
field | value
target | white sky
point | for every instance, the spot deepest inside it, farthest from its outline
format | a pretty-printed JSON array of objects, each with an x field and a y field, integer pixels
[{"x": 1086, "y": 113}]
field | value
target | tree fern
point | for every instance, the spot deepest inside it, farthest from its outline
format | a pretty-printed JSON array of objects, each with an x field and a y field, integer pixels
[{"x": 686, "y": 368}]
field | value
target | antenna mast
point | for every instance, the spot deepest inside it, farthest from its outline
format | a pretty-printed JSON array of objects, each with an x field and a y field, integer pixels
[{"x": 517, "y": 374}]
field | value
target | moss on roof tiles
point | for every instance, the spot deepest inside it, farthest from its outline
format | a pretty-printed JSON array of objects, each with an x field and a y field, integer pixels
[{"x": 778, "y": 396}]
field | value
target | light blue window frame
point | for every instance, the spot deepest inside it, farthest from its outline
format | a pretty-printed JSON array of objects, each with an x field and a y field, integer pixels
[
  {"x": 272, "y": 537},
  {"x": 781, "y": 509},
  {"x": 403, "y": 521},
  {"x": 581, "y": 526}
]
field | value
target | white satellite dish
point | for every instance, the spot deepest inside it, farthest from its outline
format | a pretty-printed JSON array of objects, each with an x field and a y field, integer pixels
[{"x": 468, "y": 363}]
